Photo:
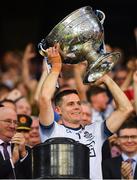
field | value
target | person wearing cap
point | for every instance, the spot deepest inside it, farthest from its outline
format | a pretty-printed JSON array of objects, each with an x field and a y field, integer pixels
[{"x": 24, "y": 125}]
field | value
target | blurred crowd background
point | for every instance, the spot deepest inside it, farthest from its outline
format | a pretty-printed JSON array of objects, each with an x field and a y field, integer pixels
[{"x": 25, "y": 23}]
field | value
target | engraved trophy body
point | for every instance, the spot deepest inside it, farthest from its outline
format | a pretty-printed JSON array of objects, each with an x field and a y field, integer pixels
[{"x": 81, "y": 36}]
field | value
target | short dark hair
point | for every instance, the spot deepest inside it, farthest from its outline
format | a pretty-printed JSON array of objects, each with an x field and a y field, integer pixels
[
  {"x": 130, "y": 123},
  {"x": 7, "y": 100},
  {"x": 94, "y": 90},
  {"x": 1, "y": 105},
  {"x": 59, "y": 95},
  {"x": 5, "y": 87}
]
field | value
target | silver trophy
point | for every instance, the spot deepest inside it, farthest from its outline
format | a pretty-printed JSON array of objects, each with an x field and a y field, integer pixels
[{"x": 81, "y": 37}]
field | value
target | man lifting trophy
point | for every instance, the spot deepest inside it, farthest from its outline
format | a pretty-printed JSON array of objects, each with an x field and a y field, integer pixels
[{"x": 81, "y": 36}]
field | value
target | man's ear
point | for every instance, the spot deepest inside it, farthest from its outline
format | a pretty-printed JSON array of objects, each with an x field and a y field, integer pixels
[{"x": 58, "y": 110}]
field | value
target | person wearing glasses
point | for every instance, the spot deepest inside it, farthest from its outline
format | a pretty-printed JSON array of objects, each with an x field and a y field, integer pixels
[
  {"x": 124, "y": 166},
  {"x": 14, "y": 158}
]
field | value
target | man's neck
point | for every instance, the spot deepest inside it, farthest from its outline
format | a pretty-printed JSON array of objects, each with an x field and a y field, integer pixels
[
  {"x": 71, "y": 124},
  {"x": 130, "y": 154},
  {"x": 5, "y": 139}
]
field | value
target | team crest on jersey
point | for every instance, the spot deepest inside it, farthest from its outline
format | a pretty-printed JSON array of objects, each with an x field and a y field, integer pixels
[
  {"x": 90, "y": 138},
  {"x": 68, "y": 130}
]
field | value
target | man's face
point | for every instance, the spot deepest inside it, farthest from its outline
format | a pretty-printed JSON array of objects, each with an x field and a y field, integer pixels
[
  {"x": 86, "y": 114},
  {"x": 99, "y": 101},
  {"x": 70, "y": 108},
  {"x": 34, "y": 133},
  {"x": 128, "y": 140},
  {"x": 8, "y": 124},
  {"x": 120, "y": 77},
  {"x": 23, "y": 107}
]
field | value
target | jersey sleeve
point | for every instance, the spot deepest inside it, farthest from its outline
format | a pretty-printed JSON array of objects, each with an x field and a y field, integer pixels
[
  {"x": 107, "y": 132},
  {"x": 46, "y": 131}
]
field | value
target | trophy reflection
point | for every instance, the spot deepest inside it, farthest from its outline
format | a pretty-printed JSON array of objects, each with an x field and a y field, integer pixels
[{"x": 81, "y": 37}]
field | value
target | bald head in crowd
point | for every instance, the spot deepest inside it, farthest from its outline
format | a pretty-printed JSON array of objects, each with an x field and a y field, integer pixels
[
  {"x": 23, "y": 106},
  {"x": 8, "y": 103}
]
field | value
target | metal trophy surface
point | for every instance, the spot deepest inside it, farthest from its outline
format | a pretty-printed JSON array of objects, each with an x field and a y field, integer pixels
[{"x": 81, "y": 37}]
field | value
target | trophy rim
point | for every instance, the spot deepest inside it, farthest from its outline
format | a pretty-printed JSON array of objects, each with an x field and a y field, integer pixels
[
  {"x": 68, "y": 16},
  {"x": 73, "y": 12}
]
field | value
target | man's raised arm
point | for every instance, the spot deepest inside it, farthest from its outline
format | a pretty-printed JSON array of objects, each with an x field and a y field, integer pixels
[
  {"x": 48, "y": 88},
  {"x": 123, "y": 106}
]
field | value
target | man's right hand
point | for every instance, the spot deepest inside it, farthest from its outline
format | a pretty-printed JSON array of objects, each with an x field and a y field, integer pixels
[
  {"x": 19, "y": 147},
  {"x": 102, "y": 80},
  {"x": 54, "y": 58}
]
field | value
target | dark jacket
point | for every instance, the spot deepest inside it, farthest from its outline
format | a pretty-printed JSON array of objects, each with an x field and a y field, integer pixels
[
  {"x": 22, "y": 169},
  {"x": 111, "y": 168}
]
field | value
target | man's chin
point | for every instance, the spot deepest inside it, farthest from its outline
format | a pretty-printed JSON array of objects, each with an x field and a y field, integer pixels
[
  {"x": 76, "y": 121},
  {"x": 10, "y": 136}
]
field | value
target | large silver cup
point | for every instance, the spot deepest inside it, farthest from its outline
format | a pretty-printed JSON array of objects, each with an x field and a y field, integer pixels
[{"x": 81, "y": 37}]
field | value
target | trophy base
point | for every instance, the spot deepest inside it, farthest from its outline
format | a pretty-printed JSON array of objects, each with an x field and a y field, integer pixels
[{"x": 102, "y": 66}]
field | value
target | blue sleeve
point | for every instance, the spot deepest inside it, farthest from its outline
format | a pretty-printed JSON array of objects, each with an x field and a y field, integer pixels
[
  {"x": 56, "y": 116},
  {"x": 46, "y": 131},
  {"x": 107, "y": 131},
  {"x": 46, "y": 127}
]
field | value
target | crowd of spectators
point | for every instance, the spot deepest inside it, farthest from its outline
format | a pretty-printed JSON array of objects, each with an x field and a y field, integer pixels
[{"x": 24, "y": 83}]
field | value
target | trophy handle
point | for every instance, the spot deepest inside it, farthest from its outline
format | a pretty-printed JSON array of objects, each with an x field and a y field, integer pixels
[
  {"x": 48, "y": 66},
  {"x": 42, "y": 48},
  {"x": 101, "y": 16}
]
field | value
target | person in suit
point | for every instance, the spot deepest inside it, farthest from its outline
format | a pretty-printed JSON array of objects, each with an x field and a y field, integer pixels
[
  {"x": 124, "y": 166},
  {"x": 14, "y": 158}
]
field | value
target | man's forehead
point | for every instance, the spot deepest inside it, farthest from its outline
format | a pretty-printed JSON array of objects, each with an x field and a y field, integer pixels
[
  {"x": 86, "y": 107},
  {"x": 35, "y": 124},
  {"x": 71, "y": 97},
  {"x": 6, "y": 112},
  {"x": 22, "y": 100},
  {"x": 128, "y": 130}
]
